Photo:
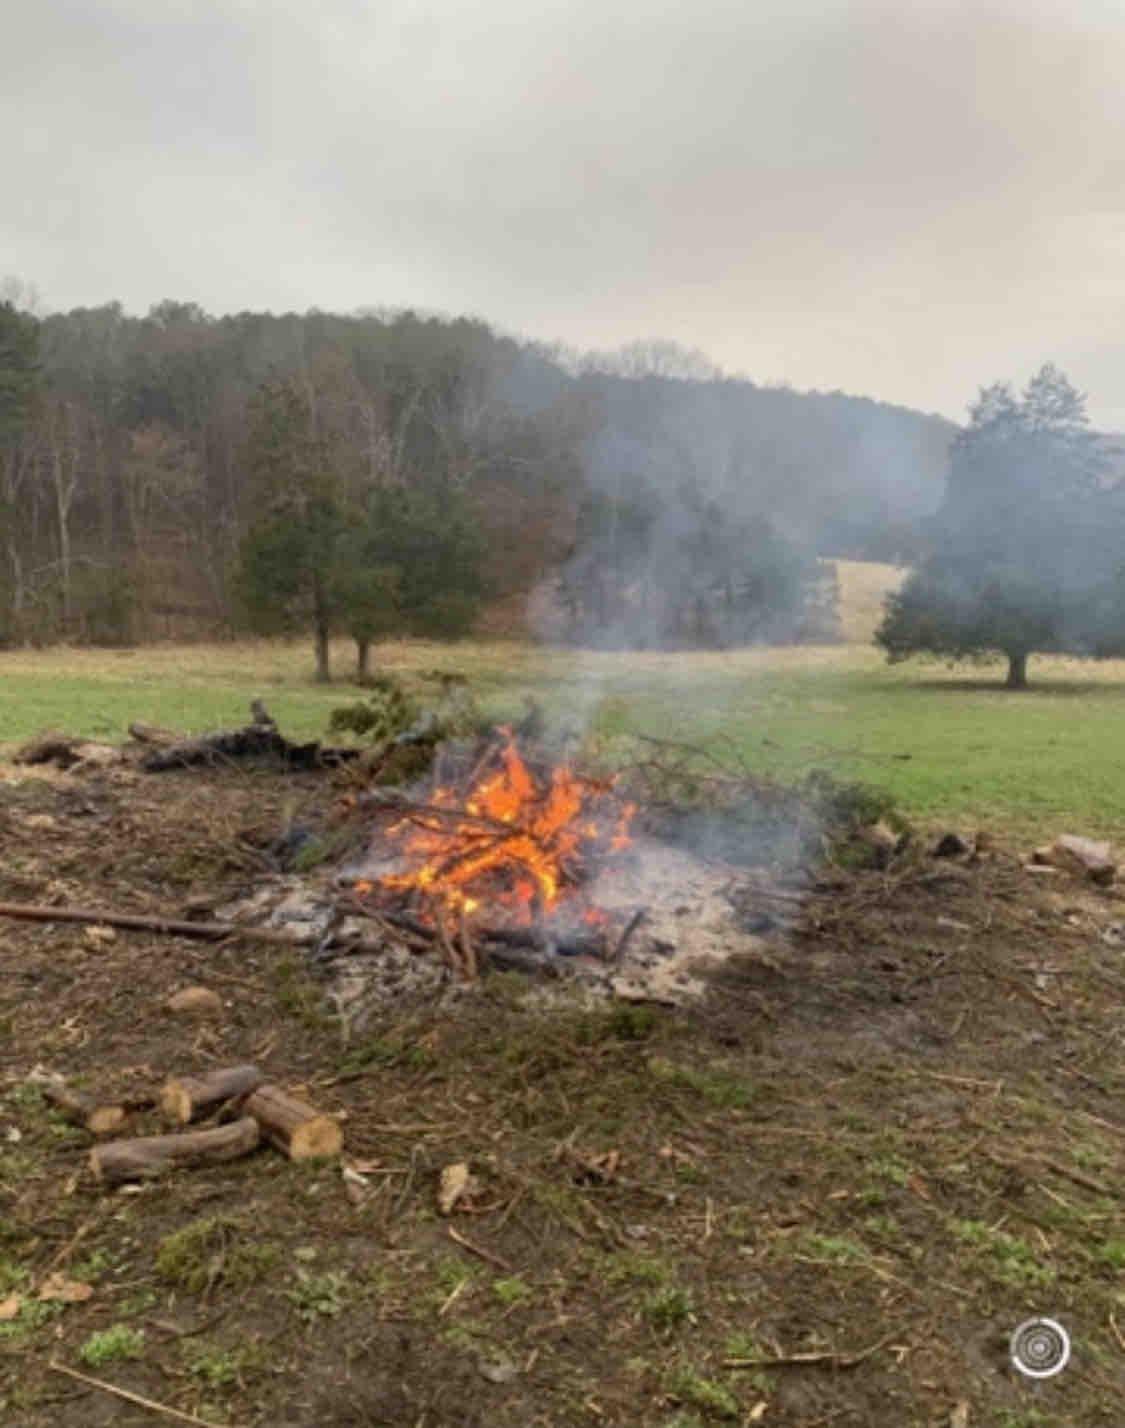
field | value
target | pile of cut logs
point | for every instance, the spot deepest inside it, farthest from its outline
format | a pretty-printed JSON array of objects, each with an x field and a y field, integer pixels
[{"x": 247, "y": 1111}]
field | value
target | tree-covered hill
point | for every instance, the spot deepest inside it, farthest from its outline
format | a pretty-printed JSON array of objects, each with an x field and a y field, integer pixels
[{"x": 127, "y": 487}]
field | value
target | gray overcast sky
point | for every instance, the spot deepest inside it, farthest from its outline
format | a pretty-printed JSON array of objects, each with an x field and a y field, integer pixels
[{"x": 904, "y": 200}]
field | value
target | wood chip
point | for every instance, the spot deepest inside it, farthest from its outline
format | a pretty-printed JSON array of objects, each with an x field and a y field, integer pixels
[
  {"x": 195, "y": 1001},
  {"x": 98, "y": 935},
  {"x": 454, "y": 1183}
]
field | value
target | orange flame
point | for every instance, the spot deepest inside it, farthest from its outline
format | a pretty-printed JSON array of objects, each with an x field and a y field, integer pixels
[{"x": 509, "y": 840}]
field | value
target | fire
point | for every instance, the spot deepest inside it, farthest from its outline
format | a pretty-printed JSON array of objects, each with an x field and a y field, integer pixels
[{"x": 511, "y": 842}]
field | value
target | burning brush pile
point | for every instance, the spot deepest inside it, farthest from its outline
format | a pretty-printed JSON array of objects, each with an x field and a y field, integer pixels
[
  {"x": 506, "y": 858},
  {"x": 505, "y": 855}
]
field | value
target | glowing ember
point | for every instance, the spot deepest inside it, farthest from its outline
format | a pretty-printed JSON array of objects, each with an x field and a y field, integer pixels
[{"x": 511, "y": 843}]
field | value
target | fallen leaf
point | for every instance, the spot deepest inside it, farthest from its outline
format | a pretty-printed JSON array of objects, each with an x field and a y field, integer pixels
[
  {"x": 919, "y": 1186},
  {"x": 959, "y": 1418},
  {"x": 65, "y": 1291},
  {"x": 497, "y": 1369},
  {"x": 454, "y": 1183},
  {"x": 758, "y": 1412},
  {"x": 599, "y": 1167},
  {"x": 10, "y": 1307}
]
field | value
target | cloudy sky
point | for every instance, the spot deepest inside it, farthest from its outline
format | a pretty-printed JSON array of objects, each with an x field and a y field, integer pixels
[{"x": 901, "y": 200}]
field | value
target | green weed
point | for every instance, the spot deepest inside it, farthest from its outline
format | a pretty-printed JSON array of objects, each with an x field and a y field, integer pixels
[
  {"x": 837, "y": 1248},
  {"x": 1111, "y": 1252},
  {"x": 1013, "y": 1260},
  {"x": 636, "y": 1269},
  {"x": 108, "y": 1345},
  {"x": 711, "y": 1398},
  {"x": 511, "y": 1291},
  {"x": 33, "y": 1314},
  {"x": 711, "y": 1084},
  {"x": 222, "y": 1368},
  {"x": 317, "y": 1296},
  {"x": 668, "y": 1307},
  {"x": 887, "y": 1168}
]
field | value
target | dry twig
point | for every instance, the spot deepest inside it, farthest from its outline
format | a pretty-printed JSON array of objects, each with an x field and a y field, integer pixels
[
  {"x": 487, "y": 1255},
  {"x": 137, "y": 1398},
  {"x": 831, "y": 1357}
]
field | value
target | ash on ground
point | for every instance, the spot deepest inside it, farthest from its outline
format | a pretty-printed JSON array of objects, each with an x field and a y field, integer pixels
[{"x": 693, "y": 919}]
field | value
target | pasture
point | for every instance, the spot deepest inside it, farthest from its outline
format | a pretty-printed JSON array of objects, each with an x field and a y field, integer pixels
[{"x": 951, "y": 744}]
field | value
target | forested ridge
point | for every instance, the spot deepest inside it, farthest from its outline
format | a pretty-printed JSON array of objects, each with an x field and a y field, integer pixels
[{"x": 658, "y": 500}]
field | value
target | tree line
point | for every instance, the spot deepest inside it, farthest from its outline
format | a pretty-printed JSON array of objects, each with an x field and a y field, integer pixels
[{"x": 381, "y": 473}]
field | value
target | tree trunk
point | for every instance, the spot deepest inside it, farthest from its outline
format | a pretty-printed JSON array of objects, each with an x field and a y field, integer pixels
[
  {"x": 323, "y": 672},
  {"x": 1017, "y": 670},
  {"x": 320, "y": 630},
  {"x": 63, "y": 495},
  {"x": 362, "y": 660}
]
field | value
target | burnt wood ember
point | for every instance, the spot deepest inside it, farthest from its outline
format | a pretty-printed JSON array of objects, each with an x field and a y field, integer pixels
[{"x": 585, "y": 943}]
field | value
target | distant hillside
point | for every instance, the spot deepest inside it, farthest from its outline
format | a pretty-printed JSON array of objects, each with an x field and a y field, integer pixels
[
  {"x": 848, "y": 475},
  {"x": 124, "y": 451}
]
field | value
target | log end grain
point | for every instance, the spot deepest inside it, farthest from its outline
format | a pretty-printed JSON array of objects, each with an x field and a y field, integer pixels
[{"x": 293, "y": 1126}]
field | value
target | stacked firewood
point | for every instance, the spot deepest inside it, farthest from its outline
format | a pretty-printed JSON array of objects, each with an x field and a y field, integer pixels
[{"x": 246, "y": 1109}]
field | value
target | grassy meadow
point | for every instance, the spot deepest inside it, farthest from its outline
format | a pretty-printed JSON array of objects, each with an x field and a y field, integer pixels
[{"x": 950, "y": 744}]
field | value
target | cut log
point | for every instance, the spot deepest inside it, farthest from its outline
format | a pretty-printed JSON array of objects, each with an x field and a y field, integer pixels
[
  {"x": 293, "y": 1126},
  {"x": 184, "y": 1099},
  {"x": 153, "y": 734},
  {"x": 84, "y": 1111},
  {"x": 150, "y": 1156},
  {"x": 1090, "y": 857}
]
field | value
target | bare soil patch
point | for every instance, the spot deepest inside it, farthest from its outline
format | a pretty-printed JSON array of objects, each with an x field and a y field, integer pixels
[{"x": 823, "y": 1195}]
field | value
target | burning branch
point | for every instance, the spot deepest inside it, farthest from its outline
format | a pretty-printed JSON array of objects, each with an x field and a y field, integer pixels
[{"x": 505, "y": 840}]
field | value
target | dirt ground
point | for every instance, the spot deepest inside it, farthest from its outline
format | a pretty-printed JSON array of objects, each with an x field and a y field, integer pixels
[{"x": 825, "y": 1196}]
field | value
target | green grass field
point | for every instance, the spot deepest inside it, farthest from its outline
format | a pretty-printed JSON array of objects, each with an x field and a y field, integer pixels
[{"x": 949, "y": 744}]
